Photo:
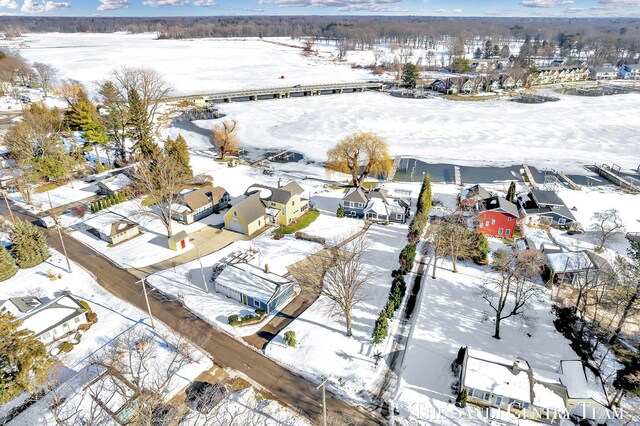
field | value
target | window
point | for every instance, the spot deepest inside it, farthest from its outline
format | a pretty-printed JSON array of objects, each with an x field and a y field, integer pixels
[
  {"x": 398, "y": 216},
  {"x": 499, "y": 231},
  {"x": 486, "y": 223},
  {"x": 480, "y": 225},
  {"x": 510, "y": 218},
  {"x": 515, "y": 403},
  {"x": 493, "y": 221},
  {"x": 508, "y": 232},
  {"x": 293, "y": 203},
  {"x": 562, "y": 221},
  {"x": 486, "y": 396},
  {"x": 259, "y": 222},
  {"x": 360, "y": 205},
  {"x": 256, "y": 303},
  {"x": 77, "y": 319},
  {"x": 235, "y": 213}
]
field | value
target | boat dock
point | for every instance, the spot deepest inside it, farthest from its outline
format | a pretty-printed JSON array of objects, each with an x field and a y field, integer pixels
[
  {"x": 612, "y": 173},
  {"x": 569, "y": 182},
  {"x": 529, "y": 177}
]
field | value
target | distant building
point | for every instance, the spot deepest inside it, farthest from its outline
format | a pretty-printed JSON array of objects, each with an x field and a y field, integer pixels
[
  {"x": 376, "y": 205},
  {"x": 193, "y": 205},
  {"x": 253, "y": 286},
  {"x": 112, "y": 227},
  {"x": 48, "y": 319},
  {"x": 606, "y": 73},
  {"x": 629, "y": 72},
  {"x": 555, "y": 75}
]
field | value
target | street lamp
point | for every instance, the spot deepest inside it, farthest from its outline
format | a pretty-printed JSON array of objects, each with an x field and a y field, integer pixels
[
  {"x": 324, "y": 400},
  {"x": 146, "y": 298}
]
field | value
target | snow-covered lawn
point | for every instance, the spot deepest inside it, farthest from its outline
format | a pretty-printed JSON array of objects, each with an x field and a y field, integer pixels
[
  {"x": 332, "y": 229},
  {"x": 451, "y": 314},
  {"x": 323, "y": 347},
  {"x": 190, "y": 66},
  {"x": 71, "y": 192},
  {"x": 565, "y": 135},
  {"x": 185, "y": 282},
  {"x": 115, "y": 317}
]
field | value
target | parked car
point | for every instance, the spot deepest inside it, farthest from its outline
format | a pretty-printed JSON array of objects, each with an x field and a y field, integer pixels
[{"x": 47, "y": 222}]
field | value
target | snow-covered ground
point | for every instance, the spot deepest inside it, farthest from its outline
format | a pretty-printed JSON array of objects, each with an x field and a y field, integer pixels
[
  {"x": 115, "y": 317},
  {"x": 566, "y": 135},
  {"x": 190, "y": 66},
  {"x": 323, "y": 348}
]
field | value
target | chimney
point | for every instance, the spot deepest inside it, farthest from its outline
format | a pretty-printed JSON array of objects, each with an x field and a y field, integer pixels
[{"x": 266, "y": 268}]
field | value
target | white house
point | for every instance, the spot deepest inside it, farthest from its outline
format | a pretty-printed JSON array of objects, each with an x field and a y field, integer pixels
[
  {"x": 606, "y": 73},
  {"x": 112, "y": 227},
  {"x": 48, "y": 319},
  {"x": 629, "y": 72},
  {"x": 113, "y": 184}
]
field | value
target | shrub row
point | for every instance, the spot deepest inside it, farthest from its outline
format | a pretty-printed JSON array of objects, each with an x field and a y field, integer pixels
[
  {"x": 117, "y": 198},
  {"x": 236, "y": 320},
  {"x": 419, "y": 222},
  {"x": 396, "y": 295}
]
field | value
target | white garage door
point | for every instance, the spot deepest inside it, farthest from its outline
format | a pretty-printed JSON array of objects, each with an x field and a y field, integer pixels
[{"x": 236, "y": 227}]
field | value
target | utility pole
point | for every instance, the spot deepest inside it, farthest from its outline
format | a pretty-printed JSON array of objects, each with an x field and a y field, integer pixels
[
  {"x": 6, "y": 200},
  {"x": 146, "y": 298},
  {"x": 324, "y": 400},
  {"x": 206, "y": 286},
  {"x": 64, "y": 248}
]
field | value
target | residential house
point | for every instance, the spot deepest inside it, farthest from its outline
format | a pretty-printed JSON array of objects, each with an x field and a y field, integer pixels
[
  {"x": 472, "y": 195},
  {"x": 113, "y": 184},
  {"x": 48, "y": 319},
  {"x": 546, "y": 208},
  {"x": 376, "y": 205},
  {"x": 606, "y": 73},
  {"x": 507, "y": 82},
  {"x": 253, "y": 286},
  {"x": 535, "y": 394},
  {"x": 567, "y": 267},
  {"x": 497, "y": 217},
  {"x": 447, "y": 86},
  {"x": 112, "y": 227},
  {"x": 266, "y": 206},
  {"x": 629, "y": 72},
  {"x": 554, "y": 75},
  {"x": 195, "y": 204}
]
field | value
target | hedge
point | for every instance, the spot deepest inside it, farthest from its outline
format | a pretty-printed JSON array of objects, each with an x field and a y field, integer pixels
[{"x": 236, "y": 320}]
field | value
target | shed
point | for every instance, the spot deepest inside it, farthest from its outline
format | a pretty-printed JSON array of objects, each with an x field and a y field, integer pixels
[{"x": 179, "y": 242}]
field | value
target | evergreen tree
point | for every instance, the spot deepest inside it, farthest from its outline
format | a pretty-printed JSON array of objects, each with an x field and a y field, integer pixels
[
  {"x": 511, "y": 193},
  {"x": 139, "y": 128},
  {"x": 340, "y": 212},
  {"x": 410, "y": 73},
  {"x": 381, "y": 329},
  {"x": 477, "y": 54},
  {"x": 179, "y": 151},
  {"x": 461, "y": 400},
  {"x": 8, "y": 266},
  {"x": 29, "y": 244},
  {"x": 24, "y": 362},
  {"x": 488, "y": 49},
  {"x": 84, "y": 116},
  {"x": 116, "y": 117}
]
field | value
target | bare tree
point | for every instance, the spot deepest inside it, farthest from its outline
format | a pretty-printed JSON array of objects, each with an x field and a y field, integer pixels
[
  {"x": 605, "y": 224},
  {"x": 47, "y": 76},
  {"x": 307, "y": 45},
  {"x": 225, "y": 138},
  {"x": 405, "y": 52},
  {"x": 452, "y": 237},
  {"x": 341, "y": 275},
  {"x": 162, "y": 179},
  {"x": 627, "y": 294},
  {"x": 378, "y": 55},
  {"x": 149, "y": 84},
  {"x": 508, "y": 289},
  {"x": 360, "y": 155},
  {"x": 344, "y": 46}
]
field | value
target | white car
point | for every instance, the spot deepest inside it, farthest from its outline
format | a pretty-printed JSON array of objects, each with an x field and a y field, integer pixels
[{"x": 47, "y": 222}]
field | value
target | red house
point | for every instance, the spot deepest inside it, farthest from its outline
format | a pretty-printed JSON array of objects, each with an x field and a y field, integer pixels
[{"x": 497, "y": 217}]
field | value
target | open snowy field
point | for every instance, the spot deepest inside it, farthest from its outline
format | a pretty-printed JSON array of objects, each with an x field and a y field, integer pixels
[
  {"x": 190, "y": 66},
  {"x": 566, "y": 135},
  {"x": 323, "y": 348}
]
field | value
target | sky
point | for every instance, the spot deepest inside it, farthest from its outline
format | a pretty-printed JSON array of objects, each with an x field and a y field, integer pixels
[{"x": 534, "y": 8}]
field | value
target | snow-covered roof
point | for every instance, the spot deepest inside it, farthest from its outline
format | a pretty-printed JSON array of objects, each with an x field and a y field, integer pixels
[
  {"x": 51, "y": 314},
  {"x": 109, "y": 223},
  {"x": 544, "y": 397},
  {"x": 581, "y": 383},
  {"x": 116, "y": 183},
  {"x": 574, "y": 261},
  {"x": 251, "y": 280},
  {"x": 492, "y": 373}
]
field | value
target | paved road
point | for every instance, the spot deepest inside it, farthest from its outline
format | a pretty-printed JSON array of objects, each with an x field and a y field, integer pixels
[{"x": 287, "y": 387}]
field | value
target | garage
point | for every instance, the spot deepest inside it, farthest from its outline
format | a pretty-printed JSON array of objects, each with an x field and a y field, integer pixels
[{"x": 237, "y": 227}]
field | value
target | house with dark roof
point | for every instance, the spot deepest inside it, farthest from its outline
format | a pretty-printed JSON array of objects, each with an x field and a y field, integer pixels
[
  {"x": 266, "y": 206},
  {"x": 376, "y": 205},
  {"x": 195, "y": 204},
  {"x": 471, "y": 195},
  {"x": 112, "y": 227},
  {"x": 48, "y": 319},
  {"x": 497, "y": 217},
  {"x": 546, "y": 208}
]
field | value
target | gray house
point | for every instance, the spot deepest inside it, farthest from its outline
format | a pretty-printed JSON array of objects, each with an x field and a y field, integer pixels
[
  {"x": 112, "y": 227},
  {"x": 113, "y": 184},
  {"x": 546, "y": 207},
  {"x": 48, "y": 319},
  {"x": 376, "y": 205},
  {"x": 193, "y": 205},
  {"x": 253, "y": 286}
]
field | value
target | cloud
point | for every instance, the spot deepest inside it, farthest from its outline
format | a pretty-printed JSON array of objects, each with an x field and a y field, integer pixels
[
  {"x": 113, "y": 4},
  {"x": 35, "y": 6},
  {"x": 205, "y": 3},
  {"x": 457, "y": 10},
  {"x": 160, "y": 3},
  {"x": 545, "y": 3},
  {"x": 9, "y": 4},
  {"x": 343, "y": 5},
  {"x": 619, "y": 2}
]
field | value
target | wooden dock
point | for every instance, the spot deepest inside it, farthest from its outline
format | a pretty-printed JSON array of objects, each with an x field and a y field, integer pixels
[
  {"x": 569, "y": 182},
  {"x": 456, "y": 175},
  {"x": 625, "y": 182},
  {"x": 529, "y": 176}
]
